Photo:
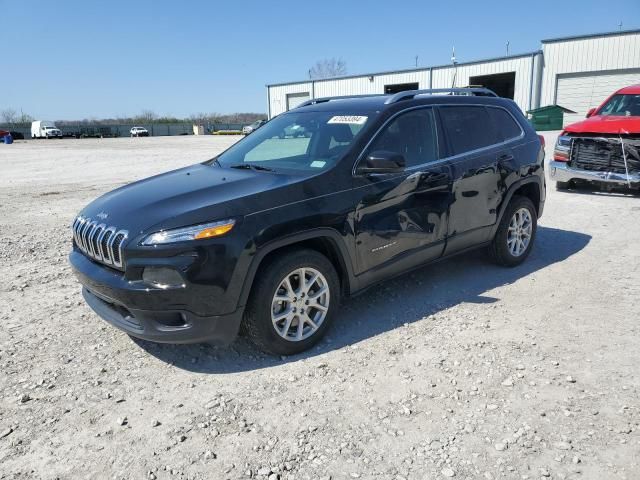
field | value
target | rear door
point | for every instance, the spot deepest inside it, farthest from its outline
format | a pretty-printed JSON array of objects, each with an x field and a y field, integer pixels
[
  {"x": 401, "y": 219},
  {"x": 476, "y": 151}
]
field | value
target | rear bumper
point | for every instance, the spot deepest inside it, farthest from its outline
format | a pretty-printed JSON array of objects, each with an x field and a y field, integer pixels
[{"x": 561, "y": 172}]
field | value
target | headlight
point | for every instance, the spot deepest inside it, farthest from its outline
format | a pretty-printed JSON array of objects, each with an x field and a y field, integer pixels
[
  {"x": 195, "y": 232},
  {"x": 563, "y": 148}
]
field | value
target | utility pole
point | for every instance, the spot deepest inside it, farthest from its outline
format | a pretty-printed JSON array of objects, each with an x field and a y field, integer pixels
[
  {"x": 416, "y": 61},
  {"x": 620, "y": 25},
  {"x": 507, "y": 48}
]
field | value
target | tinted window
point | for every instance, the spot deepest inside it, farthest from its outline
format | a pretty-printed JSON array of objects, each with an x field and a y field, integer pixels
[
  {"x": 505, "y": 123},
  {"x": 413, "y": 134},
  {"x": 468, "y": 128}
]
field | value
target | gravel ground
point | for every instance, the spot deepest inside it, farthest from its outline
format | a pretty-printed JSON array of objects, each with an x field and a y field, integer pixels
[{"x": 462, "y": 369}]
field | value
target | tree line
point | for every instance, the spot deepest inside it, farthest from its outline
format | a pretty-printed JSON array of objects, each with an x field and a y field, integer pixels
[{"x": 12, "y": 118}]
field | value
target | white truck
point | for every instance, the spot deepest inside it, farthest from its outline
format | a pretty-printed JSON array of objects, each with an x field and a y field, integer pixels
[{"x": 45, "y": 129}]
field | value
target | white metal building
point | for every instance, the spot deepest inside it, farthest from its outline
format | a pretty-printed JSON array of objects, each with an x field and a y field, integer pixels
[{"x": 575, "y": 72}]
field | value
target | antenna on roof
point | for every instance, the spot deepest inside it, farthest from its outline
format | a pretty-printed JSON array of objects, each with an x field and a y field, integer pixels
[
  {"x": 620, "y": 25},
  {"x": 455, "y": 68}
]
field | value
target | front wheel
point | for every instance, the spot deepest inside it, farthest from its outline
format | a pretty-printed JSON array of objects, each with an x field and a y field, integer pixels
[
  {"x": 293, "y": 302},
  {"x": 516, "y": 232}
]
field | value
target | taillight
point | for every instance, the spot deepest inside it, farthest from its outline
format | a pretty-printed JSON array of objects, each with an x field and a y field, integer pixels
[
  {"x": 542, "y": 142},
  {"x": 562, "y": 150}
]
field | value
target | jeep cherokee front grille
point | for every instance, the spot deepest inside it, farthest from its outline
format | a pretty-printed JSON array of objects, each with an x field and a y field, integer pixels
[{"x": 99, "y": 241}]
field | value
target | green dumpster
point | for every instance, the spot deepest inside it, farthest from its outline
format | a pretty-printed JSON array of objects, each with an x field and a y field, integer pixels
[{"x": 548, "y": 118}]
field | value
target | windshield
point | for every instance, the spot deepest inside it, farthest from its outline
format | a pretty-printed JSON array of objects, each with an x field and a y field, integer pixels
[
  {"x": 309, "y": 141},
  {"x": 622, "y": 105}
]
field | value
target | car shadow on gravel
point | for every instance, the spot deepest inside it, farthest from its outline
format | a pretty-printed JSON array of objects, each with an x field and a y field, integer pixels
[{"x": 406, "y": 299}]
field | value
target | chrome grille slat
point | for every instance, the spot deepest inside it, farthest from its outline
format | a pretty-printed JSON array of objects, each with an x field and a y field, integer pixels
[
  {"x": 83, "y": 234},
  {"x": 99, "y": 241},
  {"x": 89, "y": 242}
]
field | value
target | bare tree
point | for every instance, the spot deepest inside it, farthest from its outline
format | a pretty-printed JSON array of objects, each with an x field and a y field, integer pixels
[
  {"x": 198, "y": 118},
  {"x": 148, "y": 116},
  {"x": 25, "y": 118},
  {"x": 329, "y": 67},
  {"x": 9, "y": 116}
]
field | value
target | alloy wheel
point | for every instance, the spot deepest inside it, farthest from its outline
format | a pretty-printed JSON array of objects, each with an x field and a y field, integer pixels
[
  {"x": 519, "y": 233},
  {"x": 300, "y": 304}
]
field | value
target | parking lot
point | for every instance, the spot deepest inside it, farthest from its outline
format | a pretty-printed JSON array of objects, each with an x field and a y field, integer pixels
[{"x": 462, "y": 369}]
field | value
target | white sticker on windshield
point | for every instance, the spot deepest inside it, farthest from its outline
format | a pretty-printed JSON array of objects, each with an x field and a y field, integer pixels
[
  {"x": 349, "y": 119},
  {"x": 318, "y": 163}
]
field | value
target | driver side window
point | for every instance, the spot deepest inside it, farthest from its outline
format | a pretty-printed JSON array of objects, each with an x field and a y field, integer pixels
[{"x": 412, "y": 134}]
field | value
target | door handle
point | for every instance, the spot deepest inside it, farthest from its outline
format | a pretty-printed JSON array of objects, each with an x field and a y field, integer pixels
[{"x": 505, "y": 157}]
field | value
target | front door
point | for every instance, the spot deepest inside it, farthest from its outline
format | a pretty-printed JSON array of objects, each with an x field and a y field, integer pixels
[{"x": 401, "y": 219}]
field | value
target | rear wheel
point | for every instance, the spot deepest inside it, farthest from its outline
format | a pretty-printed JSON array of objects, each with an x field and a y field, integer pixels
[
  {"x": 516, "y": 232},
  {"x": 293, "y": 302}
]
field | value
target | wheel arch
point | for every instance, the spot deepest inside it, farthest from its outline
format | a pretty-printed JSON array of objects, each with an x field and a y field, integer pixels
[
  {"x": 529, "y": 187},
  {"x": 323, "y": 240}
]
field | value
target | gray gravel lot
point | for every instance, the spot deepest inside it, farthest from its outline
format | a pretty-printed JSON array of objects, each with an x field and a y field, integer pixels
[{"x": 461, "y": 369}]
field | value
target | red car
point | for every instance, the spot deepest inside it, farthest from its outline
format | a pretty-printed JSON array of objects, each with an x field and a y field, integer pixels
[{"x": 604, "y": 149}]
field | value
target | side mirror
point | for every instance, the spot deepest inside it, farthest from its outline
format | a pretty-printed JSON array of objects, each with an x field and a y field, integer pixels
[
  {"x": 382, "y": 161},
  {"x": 590, "y": 112}
]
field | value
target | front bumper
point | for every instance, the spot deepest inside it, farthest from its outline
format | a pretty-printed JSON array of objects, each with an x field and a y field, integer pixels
[
  {"x": 562, "y": 172},
  {"x": 149, "y": 313}
]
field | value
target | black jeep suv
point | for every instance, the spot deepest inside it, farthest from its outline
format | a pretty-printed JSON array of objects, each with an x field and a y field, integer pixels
[{"x": 321, "y": 202}]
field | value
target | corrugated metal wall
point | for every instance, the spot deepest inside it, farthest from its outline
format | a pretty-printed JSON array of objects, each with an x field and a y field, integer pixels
[
  {"x": 594, "y": 54},
  {"x": 443, "y": 77},
  {"x": 278, "y": 96},
  {"x": 374, "y": 84}
]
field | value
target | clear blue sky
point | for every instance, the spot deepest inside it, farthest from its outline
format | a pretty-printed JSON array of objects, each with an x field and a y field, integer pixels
[{"x": 83, "y": 59}]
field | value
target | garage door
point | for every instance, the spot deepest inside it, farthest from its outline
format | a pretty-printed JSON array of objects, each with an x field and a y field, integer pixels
[
  {"x": 582, "y": 92},
  {"x": 295, "y": 99}
]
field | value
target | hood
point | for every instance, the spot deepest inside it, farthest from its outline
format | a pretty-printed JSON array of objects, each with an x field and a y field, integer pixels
[
  {"x": 606, "y": 124},
  {"x": 188, "y": 196}
]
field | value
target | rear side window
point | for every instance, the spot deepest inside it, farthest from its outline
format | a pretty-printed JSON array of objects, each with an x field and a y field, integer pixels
[
  {"x": 507, "y": 127},
  {"x": 468, "y": 128},
  {"x": 412, "y": 134}
]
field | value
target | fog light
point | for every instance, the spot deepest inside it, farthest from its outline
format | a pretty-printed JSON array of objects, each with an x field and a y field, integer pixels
[{"x": 162, "y": 277}]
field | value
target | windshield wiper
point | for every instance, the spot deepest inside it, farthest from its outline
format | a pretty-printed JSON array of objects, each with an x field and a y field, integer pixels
[{"x": 252, "y": 166}]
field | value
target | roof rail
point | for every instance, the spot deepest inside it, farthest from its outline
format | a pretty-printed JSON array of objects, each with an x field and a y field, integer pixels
[
  {"x": 451, "y": 91},
  {"x": 314, "y": 101}
]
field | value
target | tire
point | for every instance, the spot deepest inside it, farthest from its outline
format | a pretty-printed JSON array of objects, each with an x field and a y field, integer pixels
[
  {"x": 508, "y": 247},
  {"x": 258, "y": 323},
  {"x": 563, "y": 185}
]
